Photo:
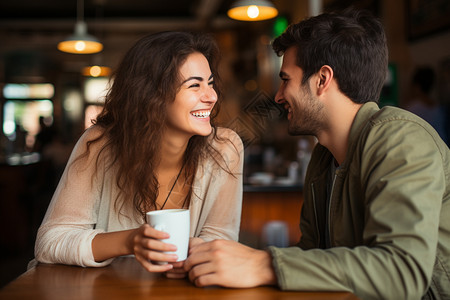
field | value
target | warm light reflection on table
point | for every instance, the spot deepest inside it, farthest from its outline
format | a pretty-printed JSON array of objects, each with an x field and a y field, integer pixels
[{"x": 126, "y": 279}]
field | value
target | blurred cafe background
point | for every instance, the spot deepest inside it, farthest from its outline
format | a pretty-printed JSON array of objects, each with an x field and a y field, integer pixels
[{"x": 48, "y": 96}]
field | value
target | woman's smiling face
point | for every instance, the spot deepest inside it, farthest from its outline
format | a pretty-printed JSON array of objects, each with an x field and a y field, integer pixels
[{"x": 189, "y": 112}]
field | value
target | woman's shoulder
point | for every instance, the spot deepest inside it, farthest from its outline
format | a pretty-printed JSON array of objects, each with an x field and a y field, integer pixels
[
  {"x": 227, "y": 136},
  {"x": 225, "y": 151},
  {"x": 93, "y": 133}
]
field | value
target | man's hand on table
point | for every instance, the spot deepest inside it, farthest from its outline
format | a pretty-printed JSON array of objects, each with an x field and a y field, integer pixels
[
  {"x": 229, "y": 264},
  {"x": 178, "y": 271}
]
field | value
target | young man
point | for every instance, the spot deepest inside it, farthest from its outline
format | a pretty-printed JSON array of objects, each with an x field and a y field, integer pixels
[{"x": 375, "y": 219}]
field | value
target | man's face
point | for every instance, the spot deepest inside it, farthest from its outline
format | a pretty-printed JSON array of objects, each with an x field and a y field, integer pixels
[{"x": 304, "y": 109}]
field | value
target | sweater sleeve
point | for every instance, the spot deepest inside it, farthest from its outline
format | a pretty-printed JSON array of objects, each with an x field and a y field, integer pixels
[
  {"x": 66, "y": 233},
  {"x": 403, "y": 179},
  {"x": 222, "y": 198}
]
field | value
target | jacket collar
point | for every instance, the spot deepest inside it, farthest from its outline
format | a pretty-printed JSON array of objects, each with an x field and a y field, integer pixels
[
  {"x": 323, "y": 157},
  {"x": 361, "y": 120}
]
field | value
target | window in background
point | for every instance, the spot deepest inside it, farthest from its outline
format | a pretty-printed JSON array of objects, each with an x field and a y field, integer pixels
[
  {"x": 24, "y": 115},
  {"x": 25, "y": 105},
  {"x": 95, "y": 90},
  {"x": 73, "y": 104},
  {"x": 28, "y": 91}
]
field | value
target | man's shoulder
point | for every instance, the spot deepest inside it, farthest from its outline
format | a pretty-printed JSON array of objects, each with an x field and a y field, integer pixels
[
  {"x": 391, "y": 127},
  {"x": 392, "y": 113},
  {"x": 397, "y": 121},
  {"x": 390, "y": 119}
]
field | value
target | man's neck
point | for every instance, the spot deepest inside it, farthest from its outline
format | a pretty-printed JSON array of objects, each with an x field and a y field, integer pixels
[{"x": 341, "y": 113}]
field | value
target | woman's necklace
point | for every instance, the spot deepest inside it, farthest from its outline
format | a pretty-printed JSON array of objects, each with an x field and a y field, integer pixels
[{"x": 170, "y": 192}]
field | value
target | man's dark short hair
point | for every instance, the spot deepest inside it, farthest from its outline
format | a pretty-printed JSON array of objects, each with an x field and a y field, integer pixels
[{"x": 352, "y": 43}]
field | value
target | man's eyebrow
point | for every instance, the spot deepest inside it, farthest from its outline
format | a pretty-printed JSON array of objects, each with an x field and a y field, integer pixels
[{"x": 197, "y": 78}]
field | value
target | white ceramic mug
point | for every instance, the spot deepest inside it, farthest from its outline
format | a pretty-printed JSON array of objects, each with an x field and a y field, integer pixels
[{"x": 176, "y": 223}]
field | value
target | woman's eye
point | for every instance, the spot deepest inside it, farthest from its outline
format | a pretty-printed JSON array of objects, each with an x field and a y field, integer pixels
[
  {"x": 195, "y": 85},
  {"x": 211, "y": 83}
]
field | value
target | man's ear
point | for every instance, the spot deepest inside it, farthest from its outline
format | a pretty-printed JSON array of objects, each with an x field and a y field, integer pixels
[{"x": 325, "y": 76}]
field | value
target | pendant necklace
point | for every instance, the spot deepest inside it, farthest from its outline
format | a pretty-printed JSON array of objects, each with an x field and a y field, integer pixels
[{"x": 175, "y": 182}]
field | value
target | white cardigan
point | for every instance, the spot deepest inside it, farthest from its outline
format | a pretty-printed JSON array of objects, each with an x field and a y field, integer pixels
[{"x": 81, "y": 209}]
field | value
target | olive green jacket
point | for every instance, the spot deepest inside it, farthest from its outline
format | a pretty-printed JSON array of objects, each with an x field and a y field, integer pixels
[{"x": 389, "y": 214}]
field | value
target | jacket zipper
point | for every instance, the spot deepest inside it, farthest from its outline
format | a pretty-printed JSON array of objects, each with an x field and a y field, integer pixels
[
  {"x": 329, "y": 210},
  {"x": 315, "y": 214}
]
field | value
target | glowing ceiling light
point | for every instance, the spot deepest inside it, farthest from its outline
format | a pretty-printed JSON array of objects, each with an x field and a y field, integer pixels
[{"x": 252, "y": 10}]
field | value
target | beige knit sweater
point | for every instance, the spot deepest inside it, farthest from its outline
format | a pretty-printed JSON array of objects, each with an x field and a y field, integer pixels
[{"x": 80, "y": 208}]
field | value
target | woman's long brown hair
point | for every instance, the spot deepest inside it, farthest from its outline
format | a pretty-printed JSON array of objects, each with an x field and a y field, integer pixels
[{"x": 134, "y": 114}]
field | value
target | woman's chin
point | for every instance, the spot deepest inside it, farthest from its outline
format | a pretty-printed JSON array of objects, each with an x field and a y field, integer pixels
[{"x": 205, "y": 131}]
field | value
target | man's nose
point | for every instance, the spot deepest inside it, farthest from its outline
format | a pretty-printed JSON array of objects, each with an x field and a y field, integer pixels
[{"x": 279, "y": 96}]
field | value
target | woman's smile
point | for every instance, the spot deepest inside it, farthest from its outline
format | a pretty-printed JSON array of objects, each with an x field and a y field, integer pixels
[{"x": 201, "y": 114}]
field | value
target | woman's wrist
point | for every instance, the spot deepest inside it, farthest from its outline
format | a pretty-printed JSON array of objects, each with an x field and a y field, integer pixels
[{"x": 129, "y": 242}]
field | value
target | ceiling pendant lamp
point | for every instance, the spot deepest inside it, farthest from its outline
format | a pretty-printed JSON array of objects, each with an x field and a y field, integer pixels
[
  {"x": 252, "y": 10},
  {"x": 96, "y": 71},
  {"x": 80, "y": 42}
]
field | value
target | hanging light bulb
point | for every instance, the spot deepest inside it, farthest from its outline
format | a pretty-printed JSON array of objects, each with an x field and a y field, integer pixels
[
  {"x": 80, "y": 42},
  {"x": 96, "y": 71},
  {"x": 252, "y": 10},
  {"x": 97, "y": 68}
]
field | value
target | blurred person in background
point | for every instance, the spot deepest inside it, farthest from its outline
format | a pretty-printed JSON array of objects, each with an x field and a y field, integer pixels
[
  {"x": 45, "y": 135},
  {"x": 422, "y": 103},
  {"x": 154, "y": 146},
  {"x": 375, "y": 217}
]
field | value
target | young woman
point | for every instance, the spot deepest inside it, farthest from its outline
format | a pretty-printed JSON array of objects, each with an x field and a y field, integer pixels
[{"x": 154, "y": 146}]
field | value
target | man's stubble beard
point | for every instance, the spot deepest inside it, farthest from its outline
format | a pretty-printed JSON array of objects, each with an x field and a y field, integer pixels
[{"x": 310, "y": 120}]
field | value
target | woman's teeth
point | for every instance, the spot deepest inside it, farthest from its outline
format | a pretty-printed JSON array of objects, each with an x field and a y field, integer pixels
[{"x": 201, "y": 114}]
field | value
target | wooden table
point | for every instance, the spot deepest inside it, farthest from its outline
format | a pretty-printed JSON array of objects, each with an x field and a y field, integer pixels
[{"x": 126, "y": 279}]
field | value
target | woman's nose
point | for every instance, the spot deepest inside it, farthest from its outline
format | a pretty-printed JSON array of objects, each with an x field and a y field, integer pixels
[{"x": 209, "y": 95}]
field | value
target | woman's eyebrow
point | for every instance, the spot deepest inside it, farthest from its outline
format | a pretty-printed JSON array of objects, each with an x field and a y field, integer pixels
[{"x": 197, "y": 78}]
